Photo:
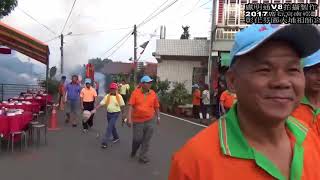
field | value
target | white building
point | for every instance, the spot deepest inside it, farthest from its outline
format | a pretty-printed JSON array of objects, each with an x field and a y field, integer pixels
[{"x": 184, "y": 61}]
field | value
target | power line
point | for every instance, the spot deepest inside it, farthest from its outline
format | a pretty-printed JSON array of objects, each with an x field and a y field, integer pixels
[
  {"x": 205, "y": 3},
  {"x": 148, "y": 19},
  {"x": 119, "y": 46},
  {"x": 46, "y": 27},
  {"x": 52, "y": 39},
  {"x": 154, "y": 12},
  {"x": 74, "y": 2},
  {"x": 154, "y": 16},
  {"x": 100, "y": 31},
  {"x": 126, "y": 35},
  {"x": 194, "y": 8}
]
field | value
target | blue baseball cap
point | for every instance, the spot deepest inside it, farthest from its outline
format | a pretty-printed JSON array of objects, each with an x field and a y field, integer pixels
[
  {"x": 87, "y": 81},
  {"x": 195, "y": 86},
  {"x": 312, "y": 60},
  {"x": 304, "y": 38},
  {"x": 146, "y": 79}
]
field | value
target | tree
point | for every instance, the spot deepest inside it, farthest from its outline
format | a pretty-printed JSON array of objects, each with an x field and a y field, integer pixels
[
  {"x": 185, "y": 34},
  {"x": 98, "y": 63},
  {"x": 6, "y": 6}
]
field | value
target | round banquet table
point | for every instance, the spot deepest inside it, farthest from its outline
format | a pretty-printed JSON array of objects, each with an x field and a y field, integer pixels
[
  {"x": 43, "y": 100},
  {"x": 15, "y": 123},
  {"x": 34, "y": 107}
]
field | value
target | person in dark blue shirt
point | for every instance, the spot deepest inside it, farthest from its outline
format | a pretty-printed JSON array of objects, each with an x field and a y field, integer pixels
[{"x": 73, "y": 101}]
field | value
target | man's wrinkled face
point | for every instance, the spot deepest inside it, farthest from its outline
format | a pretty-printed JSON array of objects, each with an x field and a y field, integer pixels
[
  {"x": 268, "y": 81},
  {"x": 312, "y": 75}
]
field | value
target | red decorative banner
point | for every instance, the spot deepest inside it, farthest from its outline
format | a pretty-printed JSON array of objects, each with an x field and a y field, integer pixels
[{"x": 5, "y": 50}]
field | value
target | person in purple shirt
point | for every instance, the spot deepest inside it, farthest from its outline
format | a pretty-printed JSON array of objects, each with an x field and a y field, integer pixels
[{"x": 72, "y": 99}]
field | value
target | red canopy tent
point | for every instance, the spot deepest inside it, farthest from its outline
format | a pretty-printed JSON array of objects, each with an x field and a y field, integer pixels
[{"x": 24, "y": 44}]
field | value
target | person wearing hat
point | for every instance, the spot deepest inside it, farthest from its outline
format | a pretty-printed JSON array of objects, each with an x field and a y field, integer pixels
[
  {"x": 257, "y": 138},
  {"x": 309, "y": 108},
  {"x": 88, "y": 97},
  {"x": 196, "y": 102},
  {"x": 143, "y": 109},
  {"x": 72, "y": 98},
  {"x": 113, "y": 102}
]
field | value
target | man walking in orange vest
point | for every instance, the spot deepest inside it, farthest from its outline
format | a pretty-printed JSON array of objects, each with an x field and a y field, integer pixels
[
  {"x": 143, "y": 109},
  {"x": 113, "y": 102}
]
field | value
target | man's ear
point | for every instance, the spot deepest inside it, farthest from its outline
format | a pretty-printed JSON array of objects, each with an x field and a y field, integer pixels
[{"x": 231, "y": 76}]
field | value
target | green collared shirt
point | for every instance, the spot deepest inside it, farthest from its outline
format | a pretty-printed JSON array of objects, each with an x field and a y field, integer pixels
[
  {"x": 234, "y": 144},
  {"x": 315, "y": 110}
]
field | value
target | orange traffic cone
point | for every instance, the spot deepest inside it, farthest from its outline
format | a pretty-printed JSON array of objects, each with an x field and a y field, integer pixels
[{"x": 53, "y": 120}]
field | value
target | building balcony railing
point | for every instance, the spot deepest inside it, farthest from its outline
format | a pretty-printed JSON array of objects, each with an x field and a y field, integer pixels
[{"x": 226, "y": 32}]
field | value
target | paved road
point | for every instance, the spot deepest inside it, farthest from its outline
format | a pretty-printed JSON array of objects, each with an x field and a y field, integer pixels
[{"x": 71, "y": 155}]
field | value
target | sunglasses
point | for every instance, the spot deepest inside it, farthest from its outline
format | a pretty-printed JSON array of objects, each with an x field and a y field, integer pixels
[{"x": 147, "y": 82}]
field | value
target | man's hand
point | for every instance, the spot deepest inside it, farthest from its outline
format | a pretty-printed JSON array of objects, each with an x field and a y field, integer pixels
[
  {"x": 129, "y": 122},
  {"x": 158, "y": 121},
  {"x": 82, "y": 108},
  {"x": 93, "y": 111}
]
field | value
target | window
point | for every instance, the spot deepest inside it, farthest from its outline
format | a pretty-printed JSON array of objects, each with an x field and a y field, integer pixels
[
  {"x": 241, "y": 15},
  {"x": 231, "y": 18},
  {"x": 276, "y": 1}
]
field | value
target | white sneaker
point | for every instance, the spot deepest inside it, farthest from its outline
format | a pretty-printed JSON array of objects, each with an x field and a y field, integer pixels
[{"x": 85, "y": 131}]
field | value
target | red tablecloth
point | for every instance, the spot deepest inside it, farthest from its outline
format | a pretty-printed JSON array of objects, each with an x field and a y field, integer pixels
[
  {"x": 16, "y": 123},
  {"x": 34, "y": 107}
]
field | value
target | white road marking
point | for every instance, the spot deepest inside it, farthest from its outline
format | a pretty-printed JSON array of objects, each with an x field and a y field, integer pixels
[{"x": 197, "y": 124}]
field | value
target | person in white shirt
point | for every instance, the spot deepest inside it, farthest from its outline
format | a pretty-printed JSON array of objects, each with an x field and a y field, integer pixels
[{"x": 206, "y": 102}]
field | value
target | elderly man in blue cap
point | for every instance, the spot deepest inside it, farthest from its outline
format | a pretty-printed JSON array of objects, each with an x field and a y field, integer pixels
[
  {"x": 143, "y": 109},
  {"x": 257, "y": 138}
]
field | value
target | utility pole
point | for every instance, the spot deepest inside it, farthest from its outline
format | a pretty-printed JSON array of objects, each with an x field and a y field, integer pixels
[
  {"x": 212, "y": 62},
  {"x": 135, "y": 53},
  {"x": 61, "y": 48}
]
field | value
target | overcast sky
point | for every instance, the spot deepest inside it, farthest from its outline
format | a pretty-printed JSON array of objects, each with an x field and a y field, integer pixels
[{"x": 107, "y": 16}]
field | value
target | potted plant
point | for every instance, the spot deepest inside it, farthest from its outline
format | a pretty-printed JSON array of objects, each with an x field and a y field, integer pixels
[
  {"x": 161, "y": 88},
  {"x": 164, "y": 102},
  {"x": 179, "y": 96}
]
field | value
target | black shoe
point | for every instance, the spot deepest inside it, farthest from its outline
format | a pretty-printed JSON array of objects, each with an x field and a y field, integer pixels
[
  {"x": 74, "y": 125},
  {"x": 115, "y": 140},
  {"x": 104, "y": 146},
  {"x": 144, "y": 160}
]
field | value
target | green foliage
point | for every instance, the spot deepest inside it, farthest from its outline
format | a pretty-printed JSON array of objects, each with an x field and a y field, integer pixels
[
  {"x": 179, "y": 94},
  {"x": 98, "y": 63},
  {"x": 165, "y": 99},
  {"x": 163, "y": 87},
  {"x": 52, "y": 86},
  {"x": 53, "y": 72},
  {"x": 6, "y": 6}
]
